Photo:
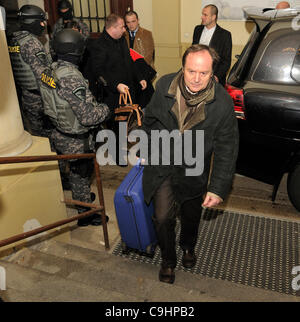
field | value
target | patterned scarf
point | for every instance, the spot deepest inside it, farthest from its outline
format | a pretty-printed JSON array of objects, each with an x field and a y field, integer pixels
[
  {"x": 195, "y": 99},
  {"x": 189, "y": 108}
]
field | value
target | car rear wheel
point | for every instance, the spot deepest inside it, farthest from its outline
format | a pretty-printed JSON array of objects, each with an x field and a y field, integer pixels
[{"x": 293, "y": 186}]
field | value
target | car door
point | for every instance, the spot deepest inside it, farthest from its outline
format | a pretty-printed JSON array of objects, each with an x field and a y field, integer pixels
[{"x": 272, "y": 94}]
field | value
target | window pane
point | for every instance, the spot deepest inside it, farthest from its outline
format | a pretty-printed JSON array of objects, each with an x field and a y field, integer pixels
[{"x": 277, "y": 60}]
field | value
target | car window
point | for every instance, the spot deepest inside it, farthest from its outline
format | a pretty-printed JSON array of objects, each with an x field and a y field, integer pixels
[
  {"x": 296, "y": 67},
  {"x": 239, "y": 66},
  {"x": 276, "y": 57}
]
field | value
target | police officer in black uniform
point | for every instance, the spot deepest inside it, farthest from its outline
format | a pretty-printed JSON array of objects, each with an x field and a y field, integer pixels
[
  {"x": 66, "y": 18},
  {"x": 29, "y": 59},
  {"x": 74, "y": 112}
]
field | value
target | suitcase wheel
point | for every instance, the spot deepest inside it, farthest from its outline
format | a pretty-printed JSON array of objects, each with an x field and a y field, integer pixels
[
  {"x": 125, "y": 249},
  {"x": 150, "y": 250}
]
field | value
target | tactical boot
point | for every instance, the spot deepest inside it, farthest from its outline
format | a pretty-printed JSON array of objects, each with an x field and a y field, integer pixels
[{"x": 97, "y": 220}]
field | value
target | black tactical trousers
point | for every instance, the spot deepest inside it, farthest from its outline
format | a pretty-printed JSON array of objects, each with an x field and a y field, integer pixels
[
  {"x": 165, "y": 222},
  {"x": 80, "y": 175},
  {"x": 35, "y": 121}
]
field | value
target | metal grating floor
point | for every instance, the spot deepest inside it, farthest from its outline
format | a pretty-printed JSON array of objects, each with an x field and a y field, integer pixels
[{"x": 246, "y": 249}]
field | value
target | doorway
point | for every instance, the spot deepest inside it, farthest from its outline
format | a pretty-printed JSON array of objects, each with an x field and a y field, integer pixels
[{"x": 120, "y": 7}]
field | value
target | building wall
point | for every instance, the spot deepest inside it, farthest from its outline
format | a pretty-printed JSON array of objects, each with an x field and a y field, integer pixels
[
  {"x": 39, "y": 3},
  {"x": 144, "y": 9},
  {"x": 30, "y": 193}
]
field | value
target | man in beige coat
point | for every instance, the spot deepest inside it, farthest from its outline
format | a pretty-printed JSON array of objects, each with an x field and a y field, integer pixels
[{"x": 138, "y": 38}]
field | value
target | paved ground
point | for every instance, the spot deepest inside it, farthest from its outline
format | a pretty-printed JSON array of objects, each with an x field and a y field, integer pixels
[
  {"x": 126, "y": 280},
  {"x": 248, "y": 196}
]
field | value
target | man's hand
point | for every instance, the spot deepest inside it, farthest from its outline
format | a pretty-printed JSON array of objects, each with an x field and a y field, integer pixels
[
  {"x": 142, "y": 160},
  {"x": 122, "y": 88},
  {"x": 143, "y": 84},
  {"x": 211, "y": 201}
]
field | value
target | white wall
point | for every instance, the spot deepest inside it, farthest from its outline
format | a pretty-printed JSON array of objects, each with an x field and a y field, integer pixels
[
  {"x": 39, "y": 3},
  {"x": 144, "y": 10},
  {"x": 190, "y": 17}
]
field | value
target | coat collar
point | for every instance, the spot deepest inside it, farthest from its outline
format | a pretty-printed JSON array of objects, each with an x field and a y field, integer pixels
[
  {"x": 217, "y": 27},
  {"x": 107, "y": 36}
]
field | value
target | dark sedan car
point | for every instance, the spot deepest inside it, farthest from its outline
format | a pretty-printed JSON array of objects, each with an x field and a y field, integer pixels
[{"x": 265, "y": 86}]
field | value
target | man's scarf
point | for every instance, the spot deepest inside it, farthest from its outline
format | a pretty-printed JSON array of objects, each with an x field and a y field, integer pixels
[
  {"x": 195, "y": 102},
  {"x": 195, "y": 99}
]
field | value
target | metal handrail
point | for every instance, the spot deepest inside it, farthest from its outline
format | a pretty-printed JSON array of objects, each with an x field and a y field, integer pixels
[{"x": 94, "y": 208}]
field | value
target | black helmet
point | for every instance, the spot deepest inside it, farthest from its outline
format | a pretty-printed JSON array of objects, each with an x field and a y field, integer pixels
[
  {"x": 31, "y": 13},
  {"x": 69, "y": 42},
  {"x": 64, "y": 4}
]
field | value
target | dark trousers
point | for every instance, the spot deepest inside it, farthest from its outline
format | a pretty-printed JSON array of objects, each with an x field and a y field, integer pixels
[{"x": 165, "y": 222}]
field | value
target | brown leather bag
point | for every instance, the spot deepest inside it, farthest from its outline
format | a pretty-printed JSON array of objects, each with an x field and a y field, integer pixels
[{"x": 129, "y": 112}]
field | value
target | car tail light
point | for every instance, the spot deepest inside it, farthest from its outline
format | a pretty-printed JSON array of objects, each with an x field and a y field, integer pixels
[{"x": 237, "y": 95}]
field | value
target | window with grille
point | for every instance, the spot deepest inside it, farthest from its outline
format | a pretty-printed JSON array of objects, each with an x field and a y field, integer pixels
[{"x": 92, "y": 12}]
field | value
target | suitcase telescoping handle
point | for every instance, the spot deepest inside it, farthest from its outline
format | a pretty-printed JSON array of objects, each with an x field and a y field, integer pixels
[{"x": 139, "y": 162}]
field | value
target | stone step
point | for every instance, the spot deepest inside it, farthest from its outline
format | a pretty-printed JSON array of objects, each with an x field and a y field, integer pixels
[
  {"x": 124, "y": 277},
  {"x": 25, "y": 284},
  {"x": 119, "y": 275}
]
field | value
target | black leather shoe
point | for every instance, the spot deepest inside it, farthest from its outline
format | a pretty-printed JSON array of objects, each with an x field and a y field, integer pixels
[
  {"x": 188, "y": 259},
  {"x": 93, "y": 196},
  {"x": 84, "y": 221},
  {"x": 97, "y": 220},
  {"x": 167, "y": 275}
]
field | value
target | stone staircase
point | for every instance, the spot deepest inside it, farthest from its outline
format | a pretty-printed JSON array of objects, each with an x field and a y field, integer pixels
[
  {"x": 60, "y": 272},
  {"x": 83, "y": 271}
]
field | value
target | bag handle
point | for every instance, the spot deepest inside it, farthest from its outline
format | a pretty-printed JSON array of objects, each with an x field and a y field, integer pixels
[
  {"x": 130, "y": 110},
  {"x": 124, "y": 98}
]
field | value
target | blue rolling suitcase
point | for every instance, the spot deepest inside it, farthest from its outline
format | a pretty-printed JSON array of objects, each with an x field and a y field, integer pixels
[{"x": 134, "y": 215}]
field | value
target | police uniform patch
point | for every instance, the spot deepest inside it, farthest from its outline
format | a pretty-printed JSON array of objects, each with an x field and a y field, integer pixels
[
  {"x": 48, "y": 79},
  {"x": 42, "y": 57},
  {"x": 80, "y": 92},
  {"x": 14, "y": 49}
]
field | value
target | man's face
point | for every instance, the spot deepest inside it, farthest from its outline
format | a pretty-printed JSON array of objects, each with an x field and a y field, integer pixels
[
  {"x": 131, "y": 22},
  {"x": 118, "y": 29},
  {"x": 66, "y": 14},
  {"x": 208, "y": 19},
  {"x": 64, "y": 10},
  {"x": 198, "y": 70}
]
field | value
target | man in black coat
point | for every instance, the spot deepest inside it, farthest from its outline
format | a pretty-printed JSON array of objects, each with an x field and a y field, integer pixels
[
  {"x": 211, "y": 34},
  {"x": 186, "y": 105},
  {"x": 112, "y": 64}
]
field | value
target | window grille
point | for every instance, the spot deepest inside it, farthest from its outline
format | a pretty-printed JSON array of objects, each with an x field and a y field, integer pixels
[{"x": 92, "y": 12}]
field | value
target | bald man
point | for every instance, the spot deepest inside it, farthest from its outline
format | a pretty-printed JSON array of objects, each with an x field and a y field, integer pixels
[{"x": 282, "y": 5}]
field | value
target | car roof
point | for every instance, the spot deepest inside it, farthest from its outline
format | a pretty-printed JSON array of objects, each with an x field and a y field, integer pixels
[
  {"x": 264, "y": 18},
  {"x": 257, "y": 13}
]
